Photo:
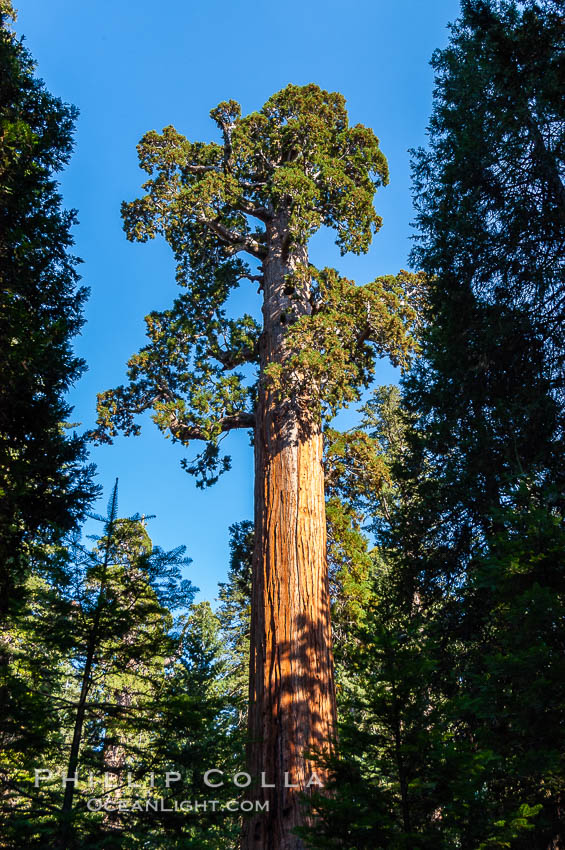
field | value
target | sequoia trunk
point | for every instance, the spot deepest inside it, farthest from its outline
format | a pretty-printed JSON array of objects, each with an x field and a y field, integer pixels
[{"x": 292, "y": 700}]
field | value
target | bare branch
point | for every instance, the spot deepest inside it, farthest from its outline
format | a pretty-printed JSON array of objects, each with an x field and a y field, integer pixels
[
  {"x": 262, "y": 213},
  {"x": 236, "y": 240},
  {"x": 199, "y": 169},
  {"x": 254, "y": 278},
  {"x": 183, "y": 432}
]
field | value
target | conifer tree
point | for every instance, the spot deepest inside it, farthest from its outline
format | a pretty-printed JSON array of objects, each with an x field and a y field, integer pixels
[
  {"x": 384, "y": 775},
  {"x": 92, "y": 652},
  {"x": 277, "y": 176},
  {"x": 486, "y": 458},
  {"x": 234, "y": 614},
  {"x": 197, "y": 731},
  {"x": 490, "y": 219},
  {"x": 120, "y": 596},
  {"x": 43, "y": 484}
]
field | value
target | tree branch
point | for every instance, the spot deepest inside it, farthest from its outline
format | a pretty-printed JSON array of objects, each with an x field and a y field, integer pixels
[
  {"x": 232, "y": 358},
  {"x": 262, "y": 213},
  {"x": 236, "y": 240},
  {"x": 547, "y": 161},
  {"x": 254, "y": 278},
  {"x": 200, "y": 169},
  {"x": 185, "y": 433},
  {"x": 251, "y": 186}
]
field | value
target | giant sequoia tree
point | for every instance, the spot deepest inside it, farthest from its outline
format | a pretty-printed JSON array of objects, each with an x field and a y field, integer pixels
[{"x": 278, "y": 176}]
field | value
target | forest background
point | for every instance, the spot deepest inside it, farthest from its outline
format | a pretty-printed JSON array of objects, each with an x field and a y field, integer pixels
[{"x": 445, "y": 498}]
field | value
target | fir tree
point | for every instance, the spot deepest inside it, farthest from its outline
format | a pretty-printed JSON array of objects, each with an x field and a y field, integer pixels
[
  {"x": 485, "y": 462},
  {"x": 234, "y": 614},
  {"x": 198, "y": 731},
  {"x": 108, "y": 631},
  {"x": 43, "y": 484}
]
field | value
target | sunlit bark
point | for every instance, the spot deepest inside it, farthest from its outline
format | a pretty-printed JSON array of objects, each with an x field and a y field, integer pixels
[{"x": 292, "y": 702}]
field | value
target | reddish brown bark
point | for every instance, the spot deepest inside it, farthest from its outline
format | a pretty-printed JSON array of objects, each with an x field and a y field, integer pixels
[{"x": 292, "y": 700}]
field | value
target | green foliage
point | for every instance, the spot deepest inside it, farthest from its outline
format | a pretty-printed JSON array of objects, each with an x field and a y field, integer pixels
[
  {"x": 333, "y": 351},
  {"x": 493, "y": 212},
  {"x": 234, "y": 614},
  {"x": 31, "y": 677},
  {"x": 448, "y": 621},
  {"x": 512, "y": 669},
  {"x": 292, "y": 167},
  {"x": 384, "y": 790},
  {"x": 98, "y": 658},
  {"x": 451, "y": 690},
  {"x": 197, "y": 731},
  {"x": 469, "y": 528},
  {"x": 43, "y": 484},
  {"x": 299, "y": 149}
]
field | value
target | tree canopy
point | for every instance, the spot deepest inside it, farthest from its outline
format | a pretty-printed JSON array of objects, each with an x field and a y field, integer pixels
[{"x": 214, "y": 202}]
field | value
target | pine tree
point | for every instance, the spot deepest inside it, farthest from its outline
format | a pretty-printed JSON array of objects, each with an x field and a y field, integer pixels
[
  {"x": 278, "y": 176},
  {"x": 43, "y": 484}
]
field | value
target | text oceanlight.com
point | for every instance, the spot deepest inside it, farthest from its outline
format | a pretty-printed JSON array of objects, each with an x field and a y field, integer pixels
[{"x": 159, "y": 804}]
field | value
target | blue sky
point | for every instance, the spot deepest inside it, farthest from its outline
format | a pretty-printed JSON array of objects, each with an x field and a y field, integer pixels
[{"x": 134, "y": 66}]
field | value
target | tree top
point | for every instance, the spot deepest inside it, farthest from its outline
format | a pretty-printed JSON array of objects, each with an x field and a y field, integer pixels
[
  {"x": 288, "y": 169},
  {"x": 297, "y": 157}
]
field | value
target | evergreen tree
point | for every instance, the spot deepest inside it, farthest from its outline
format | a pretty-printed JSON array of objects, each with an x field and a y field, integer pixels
[
  {"x": 490, "y": 218},
  {"x": 234, "y": 615},
  {"x": 43, "y": 483},
  {"x": 107, "y": 631},
  {"x": 386, "y": 772},
  {"x": 484, "y": 527},
  {"x": 489, "y": 190},
  {"x": 31, "y": 729},
  {"x": 278, "y": 175},
  {"x": 198, "y": 731}
]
